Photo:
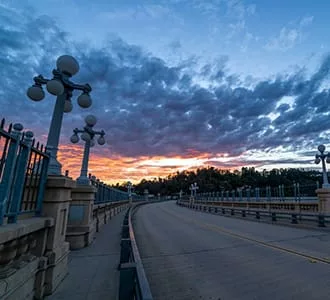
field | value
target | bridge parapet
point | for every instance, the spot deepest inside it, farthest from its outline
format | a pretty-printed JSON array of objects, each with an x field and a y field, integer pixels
[
  {"x": 308, "y": 206},
  {"x": 133, "y": 281},
  {"x": 310, "y": 212}
]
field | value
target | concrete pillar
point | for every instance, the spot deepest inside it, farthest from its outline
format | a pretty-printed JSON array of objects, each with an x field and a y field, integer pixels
[
  {"x": 56, "y": 205},
  {"x": 80, "y": 229},
  {"x": 324, "y": 200}
]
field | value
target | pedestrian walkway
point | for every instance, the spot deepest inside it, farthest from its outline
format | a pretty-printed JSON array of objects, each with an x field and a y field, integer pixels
[{"x": 93, "y": 270}]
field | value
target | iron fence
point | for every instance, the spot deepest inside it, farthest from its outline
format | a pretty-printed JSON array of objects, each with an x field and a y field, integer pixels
[
  {"x": 105, "y": 193},
  {"x": 23, "y": 173},
  {"x": 281, "y": 193}
]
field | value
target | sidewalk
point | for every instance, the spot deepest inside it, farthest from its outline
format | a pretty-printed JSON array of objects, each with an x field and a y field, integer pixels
[{"x": 93, "y": 270}]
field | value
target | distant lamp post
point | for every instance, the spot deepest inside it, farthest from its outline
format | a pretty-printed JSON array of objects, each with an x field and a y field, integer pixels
[
  {"x": 60, "y": 86},
  {"x": 129, "y": 190},
  {"x": 87, "y": 135},
  {"x": 193, "y": 188},
  {"x": 324, "y": 157}
]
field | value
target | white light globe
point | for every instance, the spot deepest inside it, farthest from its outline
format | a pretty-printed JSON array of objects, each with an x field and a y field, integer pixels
[
  {"x": 67, "y": 106},
  {"x": 92, "y": 143},
  {"x": 55, "y": 87},
  {"x": 35, "y": 93},
  {"x": 84, "y": 100},
  {"x": 90, "y": 120},
  {"x": 67, "y": 64},
  {"x": 74, "y": 139},
  {"x": 101, "y": 140},
  {"x": 85, "y": 137}
]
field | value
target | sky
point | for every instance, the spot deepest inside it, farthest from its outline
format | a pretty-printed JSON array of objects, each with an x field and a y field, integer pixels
[{"x": 177, "y": 84}]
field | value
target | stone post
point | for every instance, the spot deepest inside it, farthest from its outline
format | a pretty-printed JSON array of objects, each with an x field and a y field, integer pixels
[
  {"x": 80, "y": 231},
  {"x": 324, "y": 200},
  {"x": 56, "y": 205}
]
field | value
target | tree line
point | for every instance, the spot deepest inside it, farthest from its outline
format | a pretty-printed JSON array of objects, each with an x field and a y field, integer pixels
[{"x": 212, "y": 179}]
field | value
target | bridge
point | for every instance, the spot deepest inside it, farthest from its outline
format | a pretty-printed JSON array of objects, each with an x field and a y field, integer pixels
[
  {"x": 66, "y": 238},
  {"x": 63, "y": 240},
  {"x": 94, "y": 242}
]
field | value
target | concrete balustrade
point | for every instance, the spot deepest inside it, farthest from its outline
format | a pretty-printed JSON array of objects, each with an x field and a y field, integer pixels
[
  {"x": 324, "y": 200},
  {"x": 22, "y": 258},
  {"x": 86, "y": 217},
  {"x": 33, "y": 251},
  {"x": 305, "y": 209},
  {"x": 105, "y": 211},
  {"x": 305, "y": 205}
]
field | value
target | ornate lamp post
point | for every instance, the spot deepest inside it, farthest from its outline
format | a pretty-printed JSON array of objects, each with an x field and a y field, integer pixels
[
  {"x": 193, "y": 188},
  {"x": 324, "y": 157},
  {"x": 60, "y": 86},
  {"x": 129, "y": 190},
  {"x": 87, "y": 135}
]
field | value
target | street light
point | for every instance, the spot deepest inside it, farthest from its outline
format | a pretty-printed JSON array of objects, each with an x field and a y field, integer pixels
[
  {"x": 87, "y": 135},
  {"x": 129, "y": 189},
  {"x": 324, "y": 157},
  {"x": 60, "y": 86},
  {"x": 193, "y": 188}
]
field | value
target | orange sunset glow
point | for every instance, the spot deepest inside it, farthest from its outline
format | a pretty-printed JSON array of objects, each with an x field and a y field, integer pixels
[{"x": 112, "y": 169}]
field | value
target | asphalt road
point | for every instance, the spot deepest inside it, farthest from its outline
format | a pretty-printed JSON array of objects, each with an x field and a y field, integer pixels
[{"x": 193, "y": 255}]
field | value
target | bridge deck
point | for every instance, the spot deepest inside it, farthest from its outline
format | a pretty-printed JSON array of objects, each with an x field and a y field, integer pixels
[
  {"x": 93, "y": 270},
  {"x": 192, "y": 255}
]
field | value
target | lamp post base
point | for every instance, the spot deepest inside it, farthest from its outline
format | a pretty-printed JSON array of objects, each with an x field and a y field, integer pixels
[
  {"x": 83, "y": 180},
  {"x": 54, "y": 167}
]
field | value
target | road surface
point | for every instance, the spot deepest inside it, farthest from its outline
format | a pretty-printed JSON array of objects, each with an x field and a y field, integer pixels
[{"x": 191, "y": 255}]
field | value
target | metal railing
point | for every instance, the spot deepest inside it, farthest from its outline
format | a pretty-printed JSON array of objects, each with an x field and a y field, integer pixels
[
  {"x": 23, "y": 173},
  {"x": 105, "y": 193},
  {"x": 294, "y": 192},
  {"x": 133, "y": 281}
]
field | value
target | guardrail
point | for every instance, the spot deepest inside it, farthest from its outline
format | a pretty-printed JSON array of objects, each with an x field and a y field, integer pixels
[
  {"x": 293, "y": 206},
  {"x": 295, "y": 216},
  {"x": 133, "y": 281}
]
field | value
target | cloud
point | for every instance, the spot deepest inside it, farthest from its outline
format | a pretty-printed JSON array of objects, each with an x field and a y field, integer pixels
[
  {"x": 286, "y": 40},
  {"x": 149, "y": 108},
  {"x": 288, "y": 37},
  {"x": 306, "y": 21},
  {"x": 240, "y": 10},
  {"x": 175, "y": 45},
  {"x": 145, "y": 14}
]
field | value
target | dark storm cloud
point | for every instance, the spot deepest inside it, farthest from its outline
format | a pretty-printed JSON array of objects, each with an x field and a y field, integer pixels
[{"x": 148, "y": 107}]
